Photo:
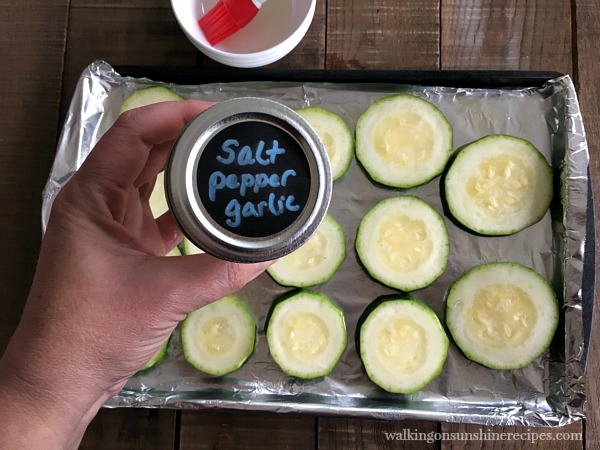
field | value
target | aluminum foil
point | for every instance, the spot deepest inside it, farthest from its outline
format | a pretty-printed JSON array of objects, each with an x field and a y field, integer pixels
[{"x": 548, "y": 392}]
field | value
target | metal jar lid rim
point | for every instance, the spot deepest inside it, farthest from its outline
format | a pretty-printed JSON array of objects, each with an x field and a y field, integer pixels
[{"x": 184, "y": 200}]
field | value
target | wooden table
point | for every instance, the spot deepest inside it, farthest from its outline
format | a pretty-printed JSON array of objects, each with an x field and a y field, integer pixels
[{"x": 45, "y": 45}]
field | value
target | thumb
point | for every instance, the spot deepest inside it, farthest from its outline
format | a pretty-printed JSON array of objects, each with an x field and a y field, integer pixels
[{"x": 196, "y": 280}]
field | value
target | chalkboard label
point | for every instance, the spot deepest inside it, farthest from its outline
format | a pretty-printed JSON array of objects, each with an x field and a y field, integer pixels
[{"x": 253, "y": 179}]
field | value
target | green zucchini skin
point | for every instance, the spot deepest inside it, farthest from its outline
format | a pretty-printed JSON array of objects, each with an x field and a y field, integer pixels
[
  {"x": 227, "y": 306},
  {"x": 439, "y": 236},
  {"x": 148, "y": 96},
  {"x": 334, "y": 255},
  {"x": 542, "y": 169},
  {"x": 284, "y": 360},
  {"x": 311, "y": 114},
  {"x": 437, "y": 332},
  {"x": 363, "y": 146},
  {"x": 371, "y": 307},
  {"x": 161, "y": 355},
  {"x": 542, "y": 296},
  {"x": 188, "y": 248}
]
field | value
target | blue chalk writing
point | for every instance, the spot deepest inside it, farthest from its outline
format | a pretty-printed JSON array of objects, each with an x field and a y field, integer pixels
[
  {"x": 289, "y": 206},
  {"x": 241, "y": 184},
  {"x": 226, "y": 147},
  {"x": 288, "y": 173},
  {"x": 216, "y": 181},
  {"x": 232, "y": 211},
  {"x": 232, "y": 181},
  {"x": 247, "y": 157},
  {"x": 272, "y": 153},
  {"x": 246, "y": 182},
  {"x": 235, "y": 212}
]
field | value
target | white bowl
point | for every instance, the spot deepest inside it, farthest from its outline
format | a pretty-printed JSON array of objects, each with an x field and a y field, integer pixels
[{"x": 277, "y": 28}]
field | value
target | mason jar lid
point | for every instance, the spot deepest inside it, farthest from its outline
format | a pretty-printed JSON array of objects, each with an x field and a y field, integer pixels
[{"x": 248, "y": 180}]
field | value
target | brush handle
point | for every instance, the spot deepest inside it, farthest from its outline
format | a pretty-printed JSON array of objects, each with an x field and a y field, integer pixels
[
  {"x": 238, "y": 12},
  {"x": 227, "y": 17}
]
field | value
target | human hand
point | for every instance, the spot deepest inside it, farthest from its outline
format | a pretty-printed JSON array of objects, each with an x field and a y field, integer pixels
[{"x": 104, "y": 298}]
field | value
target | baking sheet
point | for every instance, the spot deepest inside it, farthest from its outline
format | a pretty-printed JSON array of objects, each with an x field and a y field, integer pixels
[{"x": 548, "y": 392}]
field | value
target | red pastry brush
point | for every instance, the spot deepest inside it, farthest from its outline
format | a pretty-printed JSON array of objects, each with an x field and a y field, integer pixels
[{"x": 227, "y": 17}]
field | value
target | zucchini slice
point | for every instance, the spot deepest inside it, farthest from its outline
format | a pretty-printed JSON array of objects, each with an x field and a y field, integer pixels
[
  {"x": 148, "y": 96},
  {"x": 306, "y": 334},
  {"x": 158, "y": 199},
  {"x": 174, "y": 252},
  {"x": 189, "y": 248},
  {"x": 316, "y": 261},
  {"x": 158, "y": 205},
  {"x": 502, "y": 315},
  {"x": 159, "y": 356},
  {"x": 144, "y": 97},
  {"x": 403, "y": 141},
  {"x": 335, "y": 135},
  {"x": 218, "y": 338},
  {"x": 403, "y": 243},
  {"x": 498, "y": 185},
  {"x": 402, "y": 344}
]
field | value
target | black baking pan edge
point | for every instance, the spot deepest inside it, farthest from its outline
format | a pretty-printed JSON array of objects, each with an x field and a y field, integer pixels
[
  {"x": 588, "y": 283},
  {"x": 449, "y": 78}
]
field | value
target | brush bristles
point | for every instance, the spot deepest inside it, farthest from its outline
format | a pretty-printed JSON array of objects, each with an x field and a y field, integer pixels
[{"x": 218, "y": 24}]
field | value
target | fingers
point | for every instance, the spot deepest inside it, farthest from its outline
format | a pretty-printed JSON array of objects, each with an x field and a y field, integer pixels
[
  {"x": 122, "y": 153},
  {"x": 155, "y": 163},
  {"x": 196, "y": 280},
  {"x": 147, "y": 188},
  {"x": 169, "y": 231},
  {"x": 161, "y": 122}
]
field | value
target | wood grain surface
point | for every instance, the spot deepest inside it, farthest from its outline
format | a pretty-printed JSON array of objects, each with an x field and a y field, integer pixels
[
  {"x": 246, "y": 430},
  {"x": 31, "y": 69},
  {"x": 132, "y": 429},
  {"x": 507, "y": 34},
  {"x": 367, "y": 434},
  {"x": 587, "y": 72},
  {"x": 44, "y": 47},
  {"x": 133, "y": 32},
  {"x": 384, "y": 34}
]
